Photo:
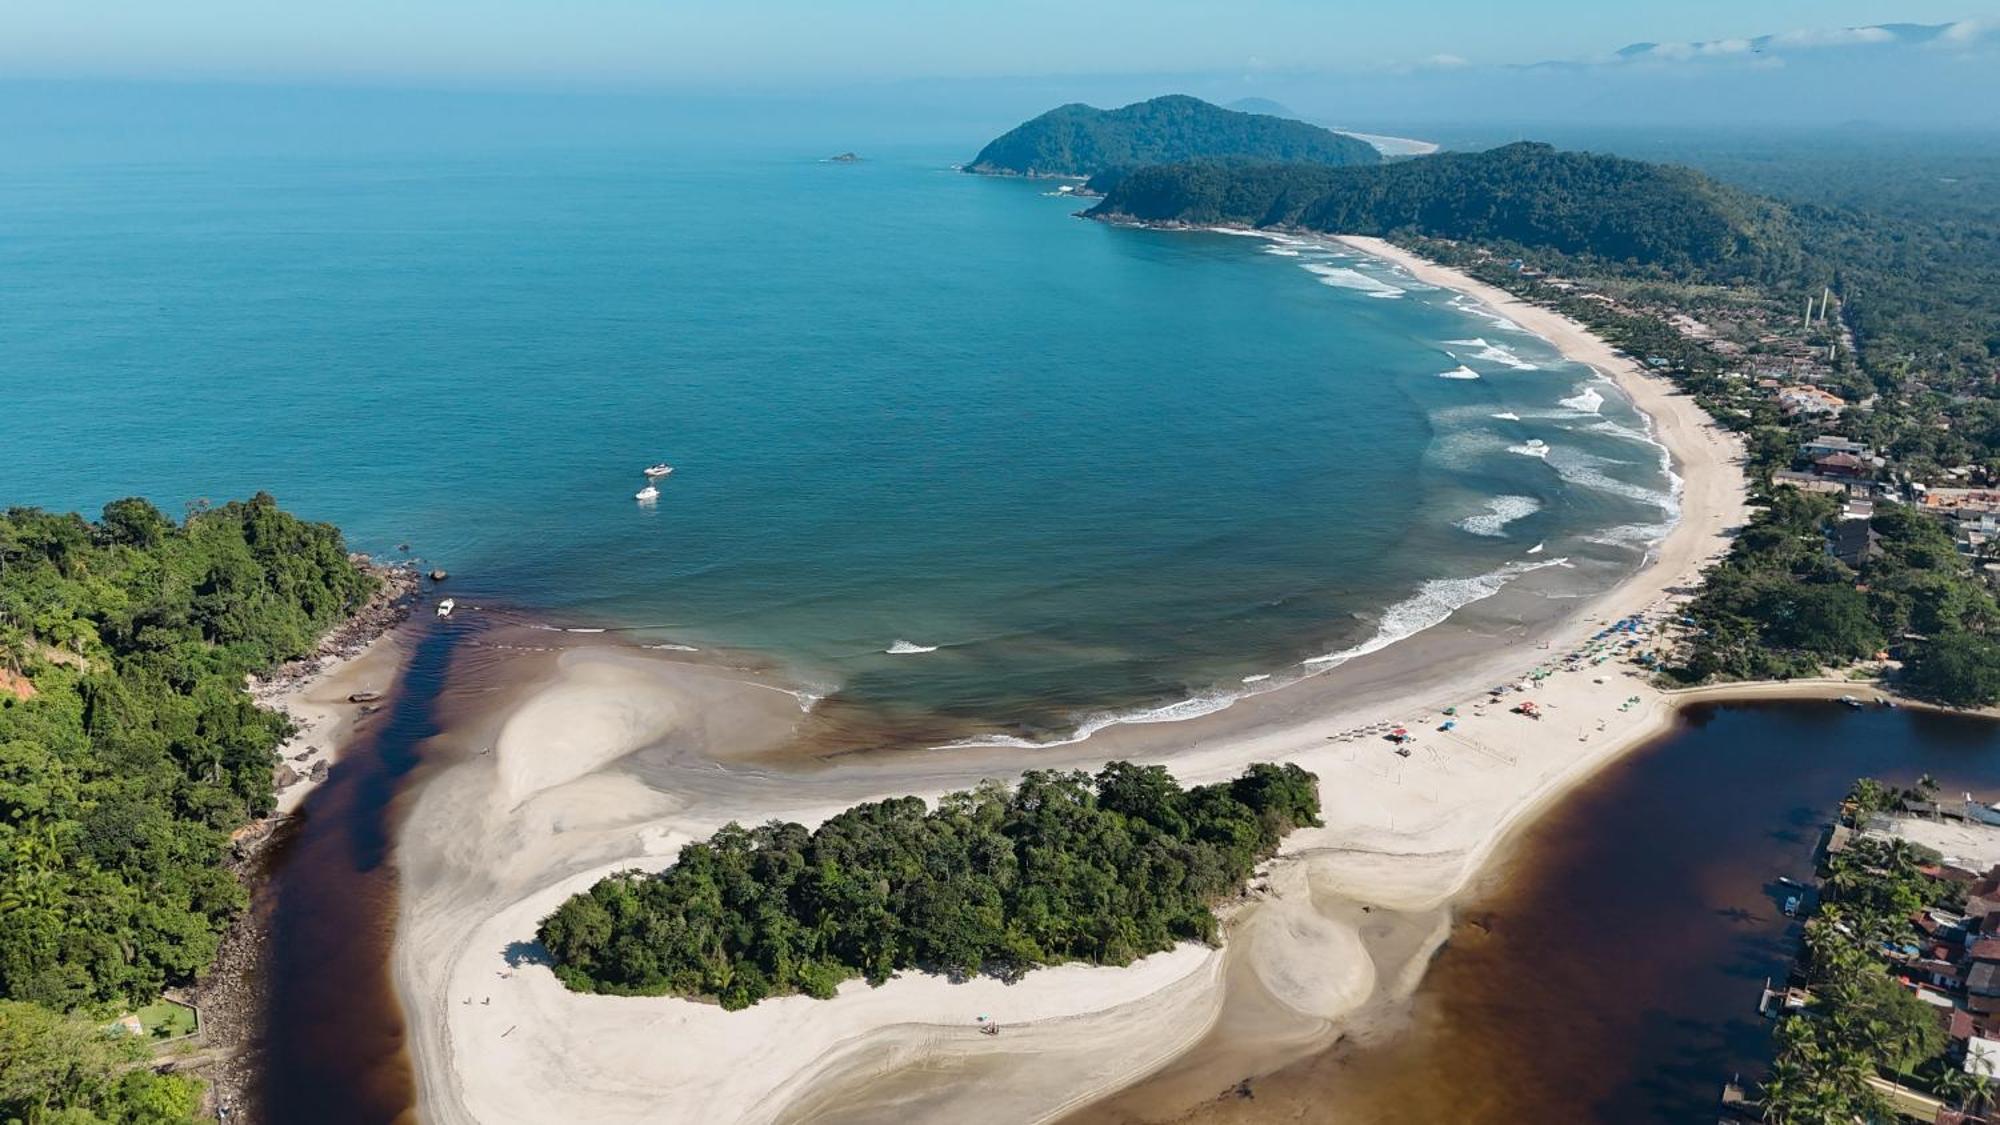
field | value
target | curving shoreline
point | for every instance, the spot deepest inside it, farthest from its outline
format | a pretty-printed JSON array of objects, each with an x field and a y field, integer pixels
[{"x": 483, "y": 854}]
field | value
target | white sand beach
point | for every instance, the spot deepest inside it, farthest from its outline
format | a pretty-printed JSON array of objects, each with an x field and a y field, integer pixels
[
  {"x": 322, "y": 714},
  {"x": 611, "y": 759}
]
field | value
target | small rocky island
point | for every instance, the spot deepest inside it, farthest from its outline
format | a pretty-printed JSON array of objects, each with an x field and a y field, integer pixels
[{"x": 844, "y": 158}]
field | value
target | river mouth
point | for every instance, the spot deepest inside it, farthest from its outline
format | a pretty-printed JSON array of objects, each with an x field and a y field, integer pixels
[
  {"x": 1606, "y": 967},
  {"x": 334, "y": 1042}
]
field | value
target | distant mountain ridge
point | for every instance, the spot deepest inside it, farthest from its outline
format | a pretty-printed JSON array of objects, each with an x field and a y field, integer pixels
[
  {"x": 1080, "y": 140},
  {"x": 1527, "y": 193}
]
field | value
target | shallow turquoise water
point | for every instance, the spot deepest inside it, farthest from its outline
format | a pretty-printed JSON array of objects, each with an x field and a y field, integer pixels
[{"x": 1096, "y": 468}]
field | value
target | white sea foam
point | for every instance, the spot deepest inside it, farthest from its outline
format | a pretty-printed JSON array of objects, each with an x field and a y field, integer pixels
[
  {"x": 1495, "y": 353},
  {"x": 1508, "y": 416},
  {"x": 1459, "y": 372},
  {"x": 1434, "y": 602},
  {"x": 673, "y": 647},
  {"x": 1533, "y": 448},
  {"x": 1342, "y": 277},
  {"x": 578, "y": 630},
  {"x": 1586, "y": 400},
  {"x": 1281, "y": 251},
  {"x": 1614, "y": 429},
  {"x": 1631, "y": 534},
  {"x": 1193, "y": 707},
  {"x": 1537, "y": 548},
  {"x": 1583, "y": 469},
  {"x": 904, "y": 648},
  {"x": 1478, "y": 308},
  {"x": 1500, "y": 511}
]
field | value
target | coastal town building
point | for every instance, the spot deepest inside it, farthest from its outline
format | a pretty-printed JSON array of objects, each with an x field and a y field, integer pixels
[
  {"x": 1797, "y": 401},
  {"x": 1822, "y": 446},
  {"x": 1853, "y": 542}
]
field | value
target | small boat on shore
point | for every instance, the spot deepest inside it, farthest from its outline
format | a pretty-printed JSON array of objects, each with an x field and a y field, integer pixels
[
  {"x": 445, "y": 607},
  {"x": 659, "y": 470},
  {"x": 646, "y": 493}
]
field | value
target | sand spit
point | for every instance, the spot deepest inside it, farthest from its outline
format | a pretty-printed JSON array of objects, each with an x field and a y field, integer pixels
[{"x": 609, "y": 760}]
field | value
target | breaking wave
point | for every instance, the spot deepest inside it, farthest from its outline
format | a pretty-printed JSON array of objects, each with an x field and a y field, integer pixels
[
  {"x": 1495, "y": 353},
  {"x": 1582, "y": 469},
  {"x": 1434, "y": 602},
  {"x": 1459, "y": 372},
  {"x": 1342, "y": 277},
  {"x": 1500, "y": 511},
  {"x": 905, "y": 648},
  {"x": 1478, "y": 308},
  {"x": 1585, "y": 401}
]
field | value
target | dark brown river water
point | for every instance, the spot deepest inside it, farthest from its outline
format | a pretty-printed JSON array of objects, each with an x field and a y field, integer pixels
[
  {"x": 1609, "y": 968},
  {"x": 333, "y": 1043}
]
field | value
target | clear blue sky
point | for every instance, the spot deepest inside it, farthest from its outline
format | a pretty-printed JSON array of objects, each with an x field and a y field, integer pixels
[{"x": 788, "y": 43}]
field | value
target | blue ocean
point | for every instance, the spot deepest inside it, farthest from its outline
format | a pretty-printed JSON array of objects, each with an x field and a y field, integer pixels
[{"x": 941, "y": 448}]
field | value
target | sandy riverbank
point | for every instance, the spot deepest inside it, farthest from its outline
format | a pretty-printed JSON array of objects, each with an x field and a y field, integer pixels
[{"x": 610, "y": 759}]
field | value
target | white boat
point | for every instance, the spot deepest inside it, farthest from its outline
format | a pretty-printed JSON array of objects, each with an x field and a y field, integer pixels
[
  {"x": 445, "y": 607},
  {"x": 659, "y": 470},
  {"x": 646, "y": 493}
]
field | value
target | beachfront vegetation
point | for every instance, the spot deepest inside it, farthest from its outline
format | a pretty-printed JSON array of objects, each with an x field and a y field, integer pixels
[
  {"x": 67, "y": 1070},
  {"x": 1781, "y": 606},
  {"x": 1079, "y": 140},
  {"x": 129, "y": 749},
  {"x": 1062, "y": 867}
]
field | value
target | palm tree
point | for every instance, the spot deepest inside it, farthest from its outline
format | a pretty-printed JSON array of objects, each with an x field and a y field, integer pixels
[
  {"x": 1954, "y": 1086},
  {"x": 1980, "y": 1099}
]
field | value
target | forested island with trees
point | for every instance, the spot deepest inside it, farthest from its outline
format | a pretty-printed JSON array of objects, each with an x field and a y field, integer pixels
[
  {"x": 1638, "y": 251},
  {"x": 1083, "y": 141},
  {"x": 1063, "y": 866},
  {"x": 130, "y": 751}
]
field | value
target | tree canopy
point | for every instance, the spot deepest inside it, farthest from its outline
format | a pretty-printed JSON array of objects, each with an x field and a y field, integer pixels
[
  {"x": 1574, "y": 203},
  {"x": 129, "y": 749},
  {"x": 1062, "y": 867},
  {"x": 1080, "y": 140},
  {"x": 66, "y": 1070}
]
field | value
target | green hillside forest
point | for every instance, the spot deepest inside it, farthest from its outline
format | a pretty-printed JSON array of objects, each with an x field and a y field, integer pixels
[
  {"x": 1079, "y": 140},
  {"x": 129, "y": 751}
]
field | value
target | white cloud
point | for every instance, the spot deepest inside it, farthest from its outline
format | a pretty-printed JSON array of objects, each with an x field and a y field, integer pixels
[
  {"x": 1834, "y": 37},
  {"x": 1445, "y": 62},
  {"x": 1965, "y": 31}
]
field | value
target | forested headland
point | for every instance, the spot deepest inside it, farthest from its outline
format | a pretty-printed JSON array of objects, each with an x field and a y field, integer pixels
[
  {"x": 1064, "y": 866},
  {"x": 129, "y": 752},
  {"x": 1640, "y": 252},
  {"x": 1081, "y": 140},
  {"x": 1574, "y": 203}
]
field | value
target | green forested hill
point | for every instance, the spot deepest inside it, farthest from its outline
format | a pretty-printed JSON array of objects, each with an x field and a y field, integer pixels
[
  {"x": 1585, "y": 204},
  {"x": 1079, "y": 140},
  {"x": 129, "y": 749}
]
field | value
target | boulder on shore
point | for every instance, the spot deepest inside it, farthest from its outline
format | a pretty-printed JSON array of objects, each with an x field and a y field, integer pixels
[{"x": 439, "y": 575}]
